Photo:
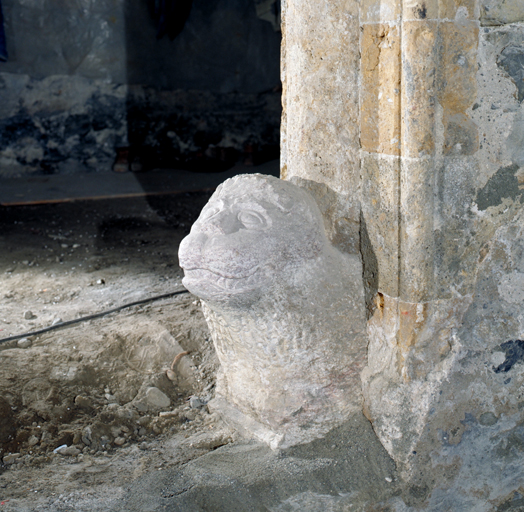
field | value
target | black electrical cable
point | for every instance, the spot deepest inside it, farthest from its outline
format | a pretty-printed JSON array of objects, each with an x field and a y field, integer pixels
[{"x": 91, "y": 317}]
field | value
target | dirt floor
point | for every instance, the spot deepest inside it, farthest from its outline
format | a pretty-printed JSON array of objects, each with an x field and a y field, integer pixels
[{"x": 99, "y": 416}]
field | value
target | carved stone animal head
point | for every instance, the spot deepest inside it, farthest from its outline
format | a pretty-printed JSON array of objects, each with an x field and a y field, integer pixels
[{"x": 255, "y": 231}]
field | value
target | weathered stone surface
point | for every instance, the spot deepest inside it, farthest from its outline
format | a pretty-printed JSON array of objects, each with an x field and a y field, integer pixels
[
  {"x": 318, "y": 143},
  {"x": 416, "y": 235},
  {"x": 70, "y": 124},
  {"x": 410, "y": 355},
  {"x": 511, "y": 60},
  {"x": 285, "y": 308},
  {"x": 340, "y": 212},
  {"x": 66, "y": 38},
  {"x": 495, "y": 12},
  {"x": 438, "y": 384},
  {"x": 417, "y": 10},
  {"x": 457, "y": 85},
  {"x": 376, "y": 11},
  {"x": 419, "y": 63},
  {"x": 93, "y": 77},
  {"x": 457, "y": 9},
  {"x": 380, "y": 94},
  {"x": 380, "y": 213}
]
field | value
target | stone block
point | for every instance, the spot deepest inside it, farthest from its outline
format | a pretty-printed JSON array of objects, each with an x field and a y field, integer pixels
[
  {"x": 380, "y": 214},
  {"x": 411, "y": 354},
  {"x": 511, "y": 60},
  {"x": 320, "y": 126},
  {"x": 419, "y": 10},
  {"x": 380, "y": 92},
  {"x": 495, "y": 12},
  {"x": 457, "y": 236},
  {"x": 458, "y": 9},
  {"x": 457, "y": 85},
  {"x": 420, "y": 61},
  {"x": 285, "y": 310},
  {"x": 416, "y": 237},
  {"x": 379, "y": 11}
]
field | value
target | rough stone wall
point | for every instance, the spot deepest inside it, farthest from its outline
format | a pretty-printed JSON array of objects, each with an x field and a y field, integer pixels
[
  {"x": 441, "y": 190},
  {"x": 83, "y": 78}
]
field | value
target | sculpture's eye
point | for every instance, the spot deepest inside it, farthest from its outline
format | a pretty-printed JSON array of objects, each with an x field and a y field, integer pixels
[{"x": 251, "y": 219}]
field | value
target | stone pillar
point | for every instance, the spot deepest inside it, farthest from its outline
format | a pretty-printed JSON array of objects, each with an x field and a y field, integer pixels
[
  {"x": 418, "y": 66},
  {"x": 320, "y": 128},
  {"x": 441, "y": 194}
]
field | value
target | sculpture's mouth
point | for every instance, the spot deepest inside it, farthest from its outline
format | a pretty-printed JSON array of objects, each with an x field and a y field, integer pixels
[{"x": 207, "y": 279}]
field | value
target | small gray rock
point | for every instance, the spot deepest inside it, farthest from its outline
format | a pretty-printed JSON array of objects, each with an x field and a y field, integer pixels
[
  {"x": 33, "y": 440},
  {"x": 69, "y": 451},
  {"x": 140, "y": 406},
  {"x": 195, "y": 402},
  {"x": 28, "y": 315},
  {"x": 154, "y": 397},
  {"x": 11, "y": 458},
  {"x": 24, "y": 343},
  {"x": 119, "y": 441},
  {"x": 86, "y": 436},
  {"x": 84, "y": 402},
  {"x": 57, "y": 321}
]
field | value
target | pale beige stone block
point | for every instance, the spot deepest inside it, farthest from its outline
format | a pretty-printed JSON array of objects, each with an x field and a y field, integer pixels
[
  {"x": 419, "y": 63},
  {"x": 380, "y": 11},
  {"x": 420, "y": 10},
  {"x": 380, "y": 212},
  {"x": 416, "y": 240},
  {"x": 380, "y": 92},
  {"x": 320, "y": 126}
]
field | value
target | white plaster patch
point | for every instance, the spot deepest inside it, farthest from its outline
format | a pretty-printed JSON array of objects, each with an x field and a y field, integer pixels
[
  {"x": 511, "y": 288},
  {"x": 420, "y": 313}
]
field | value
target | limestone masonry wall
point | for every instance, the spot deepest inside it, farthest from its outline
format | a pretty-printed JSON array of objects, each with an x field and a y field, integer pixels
[{"x": 413, "y": 109}]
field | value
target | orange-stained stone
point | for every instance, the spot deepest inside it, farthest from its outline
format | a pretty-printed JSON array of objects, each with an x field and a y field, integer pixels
[
  {"x": 457, "y": 81},
  {"x": 457, "y": 85},
  {"x": 380, "y": 100}
]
